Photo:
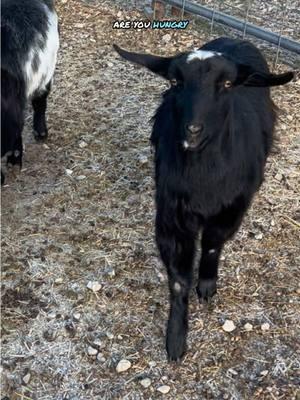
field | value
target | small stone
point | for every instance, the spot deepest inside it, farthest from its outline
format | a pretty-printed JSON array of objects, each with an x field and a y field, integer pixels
[
  {"x": 123, "y": 366},
  {"x": 82, "y": 144},
  {"x": 100, "y": 357},
  {"x": 59, "y": 280},
  {"x": 233, "y": 371},
  {"x": 26, "y": 378},
  {"x": 146, "y": 382},
  {"x": 228, "y": 326},
  {"x": 143, "y": 159},
  {"x": 92, "y": 351},
  {"x": 152, "y": 364},
  {"x": 164, "y": 389},
  {"x": 77, "y": 316},
  {"x": 258, "y": 236},
  {"x": 69, "y": 172},
  {"x": 98, "y": 343},
  {"x": 94, "y": 286},
  {"x": 52, "y": 315},
  {"x": 166, "y": 38},
  {"x": 264, "y": 373},
  {"x": 278, "y": 177},
  {"x": 248, "y": 327},
  {"x": 46, "y": 146},
  {"x": 265, "y": 326},
  {"x": 81, "y": 177},
  {"x": 109, "y": 335}
]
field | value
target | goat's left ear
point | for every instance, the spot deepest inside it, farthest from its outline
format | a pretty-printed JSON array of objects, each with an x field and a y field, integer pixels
[
  {"x": 247, "y": 76},
  {"x": 158, "y": 65}
]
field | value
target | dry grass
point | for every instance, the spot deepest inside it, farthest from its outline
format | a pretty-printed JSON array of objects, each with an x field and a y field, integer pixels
[{"x": 60, "y": 231}]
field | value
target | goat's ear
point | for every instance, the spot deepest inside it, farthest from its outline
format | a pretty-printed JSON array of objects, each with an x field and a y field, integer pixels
[
  {"x": 156, "y": 64},
  {"x": 247, "y": 76}
]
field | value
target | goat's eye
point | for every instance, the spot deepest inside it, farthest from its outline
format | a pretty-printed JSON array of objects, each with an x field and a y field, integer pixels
[
  {"x": 227, "y": 84},
  {"x": 174, "y": 82}
]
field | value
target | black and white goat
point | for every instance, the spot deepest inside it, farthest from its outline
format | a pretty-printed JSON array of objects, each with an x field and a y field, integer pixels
[
  {"x": 212, "y": 134},
  {"x": 29, "y": 45}
]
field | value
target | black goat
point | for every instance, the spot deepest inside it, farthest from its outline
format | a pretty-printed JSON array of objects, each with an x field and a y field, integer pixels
[
  {"x": 29, "y": 45},
  {"x": 212, "y": 135}
]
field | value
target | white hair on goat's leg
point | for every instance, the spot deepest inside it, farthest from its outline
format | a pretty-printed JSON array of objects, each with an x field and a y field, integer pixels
[
  {"x": 201, "y": 55},
  {"x": 38, "y": 76}
]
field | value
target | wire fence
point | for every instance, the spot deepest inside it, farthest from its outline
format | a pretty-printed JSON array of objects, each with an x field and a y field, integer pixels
[{"x": 273, "y": 25}]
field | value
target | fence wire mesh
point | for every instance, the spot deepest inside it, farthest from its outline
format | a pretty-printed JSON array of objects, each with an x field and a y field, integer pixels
[{"x": 276, "y": 16}]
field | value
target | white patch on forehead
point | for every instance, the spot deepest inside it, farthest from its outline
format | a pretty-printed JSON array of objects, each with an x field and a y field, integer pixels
[{"x": 201, "y": 55}]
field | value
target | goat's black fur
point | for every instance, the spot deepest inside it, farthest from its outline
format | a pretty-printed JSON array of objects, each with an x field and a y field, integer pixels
[
  {"x": 24, "y": 28},
  {"x": 208, "y": 183}
]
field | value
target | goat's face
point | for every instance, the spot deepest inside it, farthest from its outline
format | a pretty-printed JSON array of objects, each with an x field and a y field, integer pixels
[
  {"x": 201, "y": 83},
  {"x": 201, "y": 86}
]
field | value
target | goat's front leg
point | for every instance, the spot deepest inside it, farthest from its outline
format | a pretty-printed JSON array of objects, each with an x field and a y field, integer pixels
[
  {"x": 177, "y": 255},
  {"x": 216, "y": 232}
]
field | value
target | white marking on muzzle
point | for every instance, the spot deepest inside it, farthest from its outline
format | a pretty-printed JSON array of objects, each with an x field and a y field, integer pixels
[{"x": 201, "y": 55}]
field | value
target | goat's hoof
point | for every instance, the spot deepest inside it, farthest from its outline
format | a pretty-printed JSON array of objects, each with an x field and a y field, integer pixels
[
  {"x": 40, "y": 136},
  {"x": 206, "y": 289},
  {"x": 176, "y": 347},
  {"x": 175, "y": 351},
  {"x": 15, "y": 158}
]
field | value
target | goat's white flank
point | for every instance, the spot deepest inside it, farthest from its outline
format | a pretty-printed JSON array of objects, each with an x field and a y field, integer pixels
[
  {"x": 201, "y": 55},
  {"x": 36, "y": 80}
]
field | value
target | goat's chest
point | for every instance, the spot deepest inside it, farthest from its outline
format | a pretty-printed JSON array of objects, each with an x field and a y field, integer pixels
[{"x": 201, "y": 188}]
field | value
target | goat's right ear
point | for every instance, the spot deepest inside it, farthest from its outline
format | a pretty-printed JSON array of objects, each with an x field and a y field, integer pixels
[{"x": 158, "y": 65}]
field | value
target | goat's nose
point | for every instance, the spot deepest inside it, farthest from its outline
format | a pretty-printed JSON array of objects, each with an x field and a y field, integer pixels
[{"x": 194, "y": 129}]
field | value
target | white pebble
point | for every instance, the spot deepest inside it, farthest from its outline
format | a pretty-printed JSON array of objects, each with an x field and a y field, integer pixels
[
  {"x": 110, "y": 335},
  {"x": 100, "y": 357},
  {"x": 264, "y": 372},
  {"x": 97, "y": 342},
  {"x": 82, "y": 144},
  {"x": 143, "y": 159},
  {"x": 164, "y": 389},
  {"x": 52, "y": 315},
  {"x": 152, "y": 364},
  {"x": 248, "y": 327},
  {"x": 69, "y": 172},
  {"x": 123, "y": 366},
  {"x": 259, "y": 236},
  {"x": 92, "y": 351},
  {"x": 81, "y": 177},
  {"x": 77, "y": 316},
  {"x": 166, "y": 38},
  {"x": 146, "y": 382},
  {"x": 26, "y": 378},
  {"x": 228, "y": 326},
  {"x": 94, "y": 286},
  {"x": 265, "y": 326}
]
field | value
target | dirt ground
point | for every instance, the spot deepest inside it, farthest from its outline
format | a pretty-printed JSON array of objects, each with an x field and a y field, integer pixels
[{"x": 82, "y": 211}]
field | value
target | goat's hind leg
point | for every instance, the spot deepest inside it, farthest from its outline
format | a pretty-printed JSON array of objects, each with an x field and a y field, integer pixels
[
  {"x": 177, "y": 255},
  {"x": 39, "y": 104}
]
